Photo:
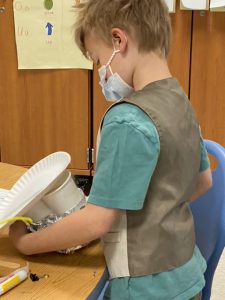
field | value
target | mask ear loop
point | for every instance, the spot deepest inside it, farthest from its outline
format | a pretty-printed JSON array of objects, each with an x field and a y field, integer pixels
[
  {"x": 112, "y": 56},
  {"x": 110, "y": 60}
]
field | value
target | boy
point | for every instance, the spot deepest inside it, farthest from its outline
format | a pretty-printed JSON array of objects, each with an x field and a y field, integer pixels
[{"x": 149, "y": 159}]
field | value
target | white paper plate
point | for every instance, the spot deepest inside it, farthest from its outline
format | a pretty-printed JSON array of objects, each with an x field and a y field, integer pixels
[
  {"x": 3, "y": 193},
  {"x": 32, "y": 185}
]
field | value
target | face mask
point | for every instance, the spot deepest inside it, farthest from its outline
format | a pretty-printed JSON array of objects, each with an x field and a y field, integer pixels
[{"x": 115, "y": 88}]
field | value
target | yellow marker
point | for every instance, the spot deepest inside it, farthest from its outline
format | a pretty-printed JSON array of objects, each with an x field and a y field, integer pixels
[
  {"x": 24, "y": 219},
  {"x": 12, "y": 280}
]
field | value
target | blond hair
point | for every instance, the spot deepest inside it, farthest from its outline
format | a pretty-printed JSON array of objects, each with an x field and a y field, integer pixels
[{"x": 148, "y": 22}]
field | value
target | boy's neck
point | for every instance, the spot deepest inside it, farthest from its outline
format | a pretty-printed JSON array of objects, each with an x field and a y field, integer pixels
[{"x": 149, "y": 68}]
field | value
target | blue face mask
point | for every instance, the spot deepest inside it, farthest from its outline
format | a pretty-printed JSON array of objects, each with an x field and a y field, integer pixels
[{"x": 115, "y": 88}]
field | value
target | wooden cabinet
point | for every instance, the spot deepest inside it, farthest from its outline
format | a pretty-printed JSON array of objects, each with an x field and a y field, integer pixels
[
  {"x": 207, "y": 86},
  {"x": 100, "y": 105},
  {"x": 179, "y": 62},
  {"x": 180, "y": 54},
  {"x": 41, "y": 111}
]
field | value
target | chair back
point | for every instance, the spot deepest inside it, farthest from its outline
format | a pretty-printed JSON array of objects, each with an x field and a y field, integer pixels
[{"x": 209, "y": 217}]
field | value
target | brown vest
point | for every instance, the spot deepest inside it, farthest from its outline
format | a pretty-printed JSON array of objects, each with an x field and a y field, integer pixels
[{"x": 160, "y": 237}]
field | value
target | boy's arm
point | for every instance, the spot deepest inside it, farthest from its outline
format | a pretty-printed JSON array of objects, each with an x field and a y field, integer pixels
[
  {"x": 204, "y": 183},
  {"x": 79, "y": 228},
  {"x": 204, "y": 180}
]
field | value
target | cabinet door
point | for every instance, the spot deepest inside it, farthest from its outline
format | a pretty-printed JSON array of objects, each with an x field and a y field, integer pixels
[
  {"x": 208, "y": 73},
  {"x": 43, "y": 111},
  {"x": 179, "y": 58},
  {"x": 179, "y": 62}
]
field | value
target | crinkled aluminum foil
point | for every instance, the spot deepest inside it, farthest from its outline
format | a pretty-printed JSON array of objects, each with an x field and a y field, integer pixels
[{"x": 51, "y": 219}]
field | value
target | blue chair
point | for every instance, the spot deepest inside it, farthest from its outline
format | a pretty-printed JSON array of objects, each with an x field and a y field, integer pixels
[
  {"x": 209, "y": 217},
  {"x": 98, "y": 292}
]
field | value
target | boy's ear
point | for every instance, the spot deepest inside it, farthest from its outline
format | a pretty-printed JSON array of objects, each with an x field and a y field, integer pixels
[{"x": 119, "y": 39}]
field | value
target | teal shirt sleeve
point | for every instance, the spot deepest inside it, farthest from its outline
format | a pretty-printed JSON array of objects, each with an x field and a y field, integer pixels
[
  {"x": 127, "y": 157},
  {"x": 204, "y": 164}
]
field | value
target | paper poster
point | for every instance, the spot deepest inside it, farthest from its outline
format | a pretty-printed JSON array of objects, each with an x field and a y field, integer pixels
[
  {"x": 171, "y": 5},
  {"x": 44, "y": 32},
  {"x": 217, "y": 5},
  {"x": 194, "y": 4}
]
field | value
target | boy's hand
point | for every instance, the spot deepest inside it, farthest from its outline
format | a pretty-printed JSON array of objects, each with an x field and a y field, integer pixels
[{"x": 16, "y": 233}]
